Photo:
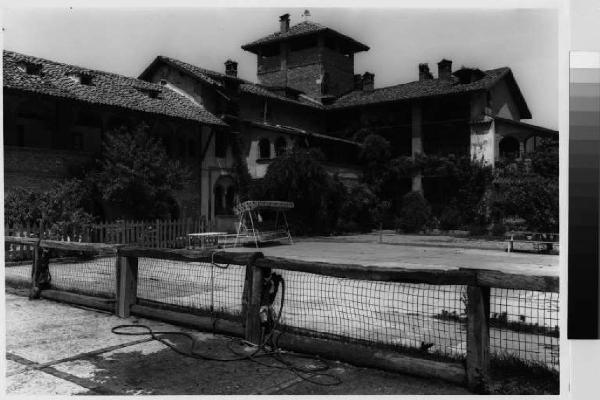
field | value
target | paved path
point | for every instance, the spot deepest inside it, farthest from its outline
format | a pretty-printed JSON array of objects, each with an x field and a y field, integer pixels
[
  {"x": 57, "y": 349},
  {"x": 413, "y": 254}
]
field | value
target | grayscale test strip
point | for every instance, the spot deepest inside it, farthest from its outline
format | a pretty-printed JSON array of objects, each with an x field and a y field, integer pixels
[{"x": 584, "y": 196}]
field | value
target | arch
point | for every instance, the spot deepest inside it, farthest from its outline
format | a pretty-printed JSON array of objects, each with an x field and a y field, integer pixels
[
  {"x": 225, "y": 195},
  {"x": 280, "y": 146},
  {"x": 509, "y": 147},
  {"x": 264, "y": 148}
]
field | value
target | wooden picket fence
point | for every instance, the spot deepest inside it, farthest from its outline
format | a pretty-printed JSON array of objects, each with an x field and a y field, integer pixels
[{"x": 155, "y": 234}]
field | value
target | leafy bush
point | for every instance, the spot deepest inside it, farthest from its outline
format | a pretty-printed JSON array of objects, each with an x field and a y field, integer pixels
[
  {"x": 62, "y": 209},
  {"x": 415, "y": 213},
  {"x": 136, "y": 177},
  {"x": 450, "y": 218},
  {"x": 357, "y": 210}
]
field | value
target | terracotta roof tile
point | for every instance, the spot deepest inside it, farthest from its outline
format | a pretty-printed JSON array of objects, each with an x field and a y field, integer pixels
[
  {"x": 105, "y": 88},
  {"x": 419, "y": 89},
  {"x": 302, "y": 29}
]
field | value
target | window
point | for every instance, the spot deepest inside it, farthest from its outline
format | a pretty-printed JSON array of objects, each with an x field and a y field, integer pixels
[
  {"x": 221, "y": 144},
  {"x": 77, "y": 141},
  {"x": 265, "y": 112},
  {"x": 264, "y": 149},
  {"x": 192, "y": 148},
  {"x": 80, "y": 77},
  {"x": 280, "y": 146},
  {"x": 20, "y": 136},
  {"x": 181, "y": 150},
  {"x": 30, "y": 68}
]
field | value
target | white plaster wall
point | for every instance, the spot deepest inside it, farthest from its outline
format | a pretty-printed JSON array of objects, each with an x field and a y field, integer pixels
[{"x": 483, "y": 142}]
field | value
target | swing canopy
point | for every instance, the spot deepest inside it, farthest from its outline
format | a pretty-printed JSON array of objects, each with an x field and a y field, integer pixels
[
  {"x": 253, "y": 227},
  {"x": 252, "y": 205}
]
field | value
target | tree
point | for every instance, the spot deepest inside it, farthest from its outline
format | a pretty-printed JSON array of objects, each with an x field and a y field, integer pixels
[
  {"x": 298, "y": 176},
  {"x": 136, "y": 177}
]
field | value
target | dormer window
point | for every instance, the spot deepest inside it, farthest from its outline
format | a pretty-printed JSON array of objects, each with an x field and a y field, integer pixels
[
  {"x": 150, "y": 92},
  {"x": 81, "y": 77},
  {"x": 30, "y": 68}
]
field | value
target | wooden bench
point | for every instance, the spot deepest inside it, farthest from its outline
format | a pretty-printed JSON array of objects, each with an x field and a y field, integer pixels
[{"x": 540, "y": 241}]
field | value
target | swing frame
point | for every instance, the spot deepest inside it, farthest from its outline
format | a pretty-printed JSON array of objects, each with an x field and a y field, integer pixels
[{"x": 244, "y": 211}]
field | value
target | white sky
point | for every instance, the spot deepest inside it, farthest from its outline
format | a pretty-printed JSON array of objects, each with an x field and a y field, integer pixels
[{"x": 126, "y": 40}]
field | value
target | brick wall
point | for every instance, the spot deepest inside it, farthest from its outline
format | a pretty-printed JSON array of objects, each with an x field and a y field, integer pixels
[{"x": 39, "y": 169}]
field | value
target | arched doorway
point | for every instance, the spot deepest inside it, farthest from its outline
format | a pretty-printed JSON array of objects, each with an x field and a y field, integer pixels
[
  {"x": 225, "y": 198},
  {"x": 509, "y": 148},
  {"x": 224, "y": 195}
]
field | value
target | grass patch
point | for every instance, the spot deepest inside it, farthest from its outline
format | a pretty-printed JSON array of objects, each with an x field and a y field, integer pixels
[{"x": 513, "y": 376}]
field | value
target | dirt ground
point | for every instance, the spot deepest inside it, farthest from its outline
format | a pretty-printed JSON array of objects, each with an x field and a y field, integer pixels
[
  {"x": 57, "y": 349},
  {"x": 415, "y": 251}
]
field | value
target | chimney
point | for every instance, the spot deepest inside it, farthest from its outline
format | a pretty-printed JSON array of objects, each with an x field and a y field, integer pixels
[
  {"x": 231, "y": 68},
  {"x": 368, "y": 81},
  {"x": 358, "y": 82},
  {"x": 445, "y": 69},
  {"x": 424, "y": 73},
  {"x": 284, "y": 23}
]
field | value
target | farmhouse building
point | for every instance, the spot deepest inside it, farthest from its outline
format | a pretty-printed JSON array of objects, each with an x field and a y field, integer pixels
[{"x": 308, "y": 94}]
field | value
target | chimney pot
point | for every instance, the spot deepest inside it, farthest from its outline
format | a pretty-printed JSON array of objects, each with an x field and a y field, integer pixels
[
  {"x": 358, "y": 82},
  {"x": 231, "y": 68},
  {"x": 424, "y": 73},
  {"x": 284, "y": 23},
  {"x": 445, "y": 69},
  {"x": 368, "y": 81}
]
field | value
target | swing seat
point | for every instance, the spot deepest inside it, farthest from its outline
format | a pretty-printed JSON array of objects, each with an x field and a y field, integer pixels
[{"x": 254, "y": 229}]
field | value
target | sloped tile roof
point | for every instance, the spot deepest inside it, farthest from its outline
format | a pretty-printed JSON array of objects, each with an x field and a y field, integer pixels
[
  {"x": 303, "y": 29},
  {"x": 405, "y": 91},
  {"x": 419, "y": 89},
  {"x": 217, "y": 79},
  {"x": 106, "y": 88}
]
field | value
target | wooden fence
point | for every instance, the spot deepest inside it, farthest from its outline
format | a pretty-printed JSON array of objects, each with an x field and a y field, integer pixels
[
  {"x": 472, "y": 372},
  {"x": 157, "y": 234}
]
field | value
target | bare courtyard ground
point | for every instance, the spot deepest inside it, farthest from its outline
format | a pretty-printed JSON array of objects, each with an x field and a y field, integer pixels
[
  {"x": 415, "y": 251},
  {"x": 56, "y": 349}
]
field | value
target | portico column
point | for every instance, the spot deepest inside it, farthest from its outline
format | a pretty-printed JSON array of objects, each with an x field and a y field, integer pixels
[{"x": 416, "y": 143}]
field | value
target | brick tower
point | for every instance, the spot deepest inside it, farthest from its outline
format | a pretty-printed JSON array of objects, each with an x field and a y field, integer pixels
[{"x": 308, "y": 57}]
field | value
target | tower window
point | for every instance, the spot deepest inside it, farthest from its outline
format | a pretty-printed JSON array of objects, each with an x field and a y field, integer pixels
[{"x": 264, "y": 149}]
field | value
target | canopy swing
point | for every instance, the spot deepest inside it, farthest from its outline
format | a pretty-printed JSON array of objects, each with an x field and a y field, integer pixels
[{"x": 255, "y": 227}]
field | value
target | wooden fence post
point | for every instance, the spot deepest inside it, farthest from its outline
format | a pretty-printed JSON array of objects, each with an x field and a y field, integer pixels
[
  {"x": 478, "y": 337},
  {"x": 127, "y": 276},
  {"x": 252, "y": 328}
]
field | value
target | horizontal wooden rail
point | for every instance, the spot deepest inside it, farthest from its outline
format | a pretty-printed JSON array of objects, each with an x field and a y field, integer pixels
[
  {"x": 460, "y": 276},
  {"x": 219, "y": 257},
  {"x": 61, "y": 245},
  {"x": 372, "y": 273}
]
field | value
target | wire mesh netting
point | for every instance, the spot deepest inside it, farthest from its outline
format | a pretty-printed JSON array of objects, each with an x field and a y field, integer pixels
[
  {"x": 524, "y": 325},
  {"x": 84, "y": 273},
  {"x": 430, "y": 319},
  {"x": 80, "y": 272},
  {"x": 18, "y": 275},
  {"x": 198, "y": 287}
]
